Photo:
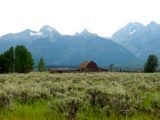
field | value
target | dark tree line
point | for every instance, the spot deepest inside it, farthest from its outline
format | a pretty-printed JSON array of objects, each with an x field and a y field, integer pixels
[{"x": 16, "y": 60}]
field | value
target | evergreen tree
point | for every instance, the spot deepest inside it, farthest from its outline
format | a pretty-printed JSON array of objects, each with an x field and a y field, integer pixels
[
  {"x": 41, "y": 65},
  {"x": 151, "y": 64},
  {"x": 23, "y": 60},
  {"x": 19, "y": 60},
  {"x": 1, "y": 64},
  {"x": 7, "y": 61}
]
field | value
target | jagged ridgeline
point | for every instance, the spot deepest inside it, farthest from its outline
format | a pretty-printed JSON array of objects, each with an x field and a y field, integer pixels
[
  {"x": 141, "y": 40},
  {"x": 58, "y": 49}
]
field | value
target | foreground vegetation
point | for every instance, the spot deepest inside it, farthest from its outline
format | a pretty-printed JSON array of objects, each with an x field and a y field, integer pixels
[{"x": 80, "y": 96}]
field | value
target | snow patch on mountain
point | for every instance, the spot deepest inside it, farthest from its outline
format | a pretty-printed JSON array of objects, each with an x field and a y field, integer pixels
[
  {"x": 36, "y": 33},
  {"x": 50, "y": 29},
  {"x": 132, "y": 32}
]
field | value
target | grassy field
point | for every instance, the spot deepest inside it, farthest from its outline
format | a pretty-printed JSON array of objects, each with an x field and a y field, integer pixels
[{"x": 80, "y": 96}]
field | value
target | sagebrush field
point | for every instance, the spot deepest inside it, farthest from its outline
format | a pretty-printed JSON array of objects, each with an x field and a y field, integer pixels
[{"x": 80, "y": 96}]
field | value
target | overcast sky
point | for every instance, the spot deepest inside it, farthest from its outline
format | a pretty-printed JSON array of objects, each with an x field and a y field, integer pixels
[{"x": 103, "y": 17}]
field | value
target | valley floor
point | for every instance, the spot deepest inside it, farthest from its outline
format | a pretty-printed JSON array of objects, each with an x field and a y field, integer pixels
[{"x": 80, "y": 96}]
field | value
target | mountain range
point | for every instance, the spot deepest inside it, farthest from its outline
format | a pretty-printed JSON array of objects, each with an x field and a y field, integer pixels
[
  {"x": 69, "y": 50},
  {"x": 139, "y": 39}
]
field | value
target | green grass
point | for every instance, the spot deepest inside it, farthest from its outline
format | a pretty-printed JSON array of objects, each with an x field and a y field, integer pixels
[
  {"x": 44, "y": 96},
  {"x": 36, "y": 111},
  {"x": 40, "y": 111}
]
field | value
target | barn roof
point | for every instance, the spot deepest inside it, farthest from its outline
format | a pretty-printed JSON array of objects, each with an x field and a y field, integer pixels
[{"x": 85, "y": 63}]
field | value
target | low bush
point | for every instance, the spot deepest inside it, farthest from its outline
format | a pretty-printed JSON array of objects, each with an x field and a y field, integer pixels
[
  {"x": 4, "y": 100},
  {"x": 69, "y": 106}
]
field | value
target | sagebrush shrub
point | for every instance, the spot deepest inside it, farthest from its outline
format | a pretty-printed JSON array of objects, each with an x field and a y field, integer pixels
[
  {"x": 99, "y": 96},
  {"x": 69, "y": 106},
  {"x": 23, "y": 97},
  {"x": 120, "y": 94},
  {"x": 4, "y": 101}
]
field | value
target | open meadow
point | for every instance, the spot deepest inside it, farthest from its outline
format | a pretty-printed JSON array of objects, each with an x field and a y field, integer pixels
[{"x": 80, "y": 96}]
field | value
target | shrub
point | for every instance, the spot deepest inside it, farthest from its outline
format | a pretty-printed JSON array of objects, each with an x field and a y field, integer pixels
[
  {"x": 107, "y": 110},
  {"x": 23, "y": 97},
  {"x": 98, "y": 96},
  {"x": 57, "y": 89},
  {"x": 69, "y": 106},
  {"x": 4, "y": 101},
  {"x": 123, "y": 105}
]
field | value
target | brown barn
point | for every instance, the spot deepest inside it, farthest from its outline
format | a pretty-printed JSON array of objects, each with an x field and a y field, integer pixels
[
  {"x": 89, "y": 66},
  {"x": 86, "y": 66}
]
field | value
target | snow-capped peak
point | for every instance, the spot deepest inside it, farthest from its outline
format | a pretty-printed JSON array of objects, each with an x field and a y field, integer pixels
[{"x": 47, "y": 30}]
